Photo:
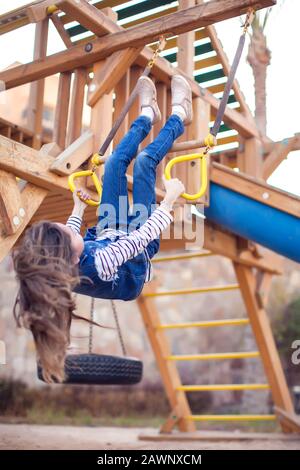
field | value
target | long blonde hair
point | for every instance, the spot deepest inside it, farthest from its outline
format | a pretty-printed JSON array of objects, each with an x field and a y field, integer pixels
[{"x": 45, "y": 303}]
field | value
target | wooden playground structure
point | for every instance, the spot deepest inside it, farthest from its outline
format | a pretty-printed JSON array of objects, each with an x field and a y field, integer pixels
[{"x": 100, "y": 66}]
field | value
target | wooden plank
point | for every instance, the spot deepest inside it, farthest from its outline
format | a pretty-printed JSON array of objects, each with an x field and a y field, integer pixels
[
  {"x": 199, "y": 128},
  {"x": 122, "y": 95},
  {"x": 11, "y": 210},
  {"x": 32, "y": 197},
  {"x": 37, "y": 89},
  {"x": 256, "y": 189},
  {"x": 290, "y": 419},
  {"x": 62, "y": 109},
  {"x": 110, "y": 74},
  {"x": 263, "y": 286},
  {"x": 27, "y": 163},
  {"x": 21, "y": 16},
  {"x": 161, "y": 89},
  {"x": 253, "y": 157},
  {"x": 217, "y": 436},
  {"x": 179, "y": 22},
  {"x": 163, "y": 71},
  {"x": 265, "y": 341},
  {"x": 37, "y": 11},
  {"x": 87, "y": 15},
  {"x": 102, "y": 107},
  {"x": 277, "y": 155},
  {"x": 76, "y": 108},
  {"x": 134, "y": 111},
  {"x": 56, "y": 20},
  {"x": 185, "y": 60},
  {"x": 74, "y": 155},
  {"x": 168, "y": 369}
]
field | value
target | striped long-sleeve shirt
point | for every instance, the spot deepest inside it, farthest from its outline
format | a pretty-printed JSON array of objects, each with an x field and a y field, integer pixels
[{"x": 109, "y": 258}]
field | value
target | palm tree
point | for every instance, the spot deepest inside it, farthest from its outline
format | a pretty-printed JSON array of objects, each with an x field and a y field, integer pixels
[{"x": 259, "y": 58}]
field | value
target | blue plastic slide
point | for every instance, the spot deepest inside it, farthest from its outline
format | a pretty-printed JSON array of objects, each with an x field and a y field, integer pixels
[{"x": 256, "y": 221}]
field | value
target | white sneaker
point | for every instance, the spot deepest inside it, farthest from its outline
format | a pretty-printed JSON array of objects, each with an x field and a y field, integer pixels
[
  {"x": 182, "y": 98},
  {"x": 148, "y": 97}
]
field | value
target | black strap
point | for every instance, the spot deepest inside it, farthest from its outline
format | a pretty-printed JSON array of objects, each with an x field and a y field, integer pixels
[
  {"x": 122, "y": 115},
  {"x": 221, "y": 110}
]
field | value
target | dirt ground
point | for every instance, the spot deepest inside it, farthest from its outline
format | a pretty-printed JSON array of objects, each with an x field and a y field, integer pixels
[{"x": 36, "y": 437}]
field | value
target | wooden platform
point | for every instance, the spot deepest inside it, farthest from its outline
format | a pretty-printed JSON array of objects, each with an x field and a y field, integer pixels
[{"x": 218, "y": 436}]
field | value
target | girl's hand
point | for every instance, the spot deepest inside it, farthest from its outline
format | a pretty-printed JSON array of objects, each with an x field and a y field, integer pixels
[
  {"x": 79, "y": 202},
  {"x": 174, "y": 188}
]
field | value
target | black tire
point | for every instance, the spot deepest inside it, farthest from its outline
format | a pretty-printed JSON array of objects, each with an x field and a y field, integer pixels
[{"x": 100, "y": 369}]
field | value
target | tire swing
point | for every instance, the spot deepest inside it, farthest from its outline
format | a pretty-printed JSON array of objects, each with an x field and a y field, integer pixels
[{"x": 101, "y": 369}]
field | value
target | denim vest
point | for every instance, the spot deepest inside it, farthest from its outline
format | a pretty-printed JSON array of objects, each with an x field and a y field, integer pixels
[{"x": 130, "y": 277}]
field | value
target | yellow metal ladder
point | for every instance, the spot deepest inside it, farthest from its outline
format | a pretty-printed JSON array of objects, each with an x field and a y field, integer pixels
[{"x": 181, "y": 414}]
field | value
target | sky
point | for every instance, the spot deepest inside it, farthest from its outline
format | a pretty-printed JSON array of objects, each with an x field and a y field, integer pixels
[{"x": 283, "y": 94}]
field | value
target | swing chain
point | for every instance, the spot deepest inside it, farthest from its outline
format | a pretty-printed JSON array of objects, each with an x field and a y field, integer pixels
[
  {"x": 114, "y": 309},
  {"x": 210, "y": 139},
  {"x": 160, "y": 47},
  {"x": 92, "y": 310},
  {"x": 249, "y": 19}
]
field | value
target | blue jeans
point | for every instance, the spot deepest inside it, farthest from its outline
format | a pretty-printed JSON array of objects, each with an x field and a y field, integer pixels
[
  {"x": 115, "y": 192},
  {"x": 132, "y": 274}
]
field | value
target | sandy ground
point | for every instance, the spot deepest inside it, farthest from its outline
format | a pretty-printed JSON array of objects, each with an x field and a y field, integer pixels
[{"x": 25, "y": 436}]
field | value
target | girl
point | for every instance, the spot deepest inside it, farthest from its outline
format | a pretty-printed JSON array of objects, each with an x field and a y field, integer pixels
[{"x": 112, "y": 260}]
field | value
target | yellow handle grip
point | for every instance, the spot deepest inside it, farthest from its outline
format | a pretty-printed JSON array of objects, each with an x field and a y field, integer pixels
[
  {"x": 90, "y": 202},
  {"x": 203, "y": 169}
]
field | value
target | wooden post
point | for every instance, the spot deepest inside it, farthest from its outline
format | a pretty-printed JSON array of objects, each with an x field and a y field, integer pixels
[
  {"x": 62, "y": 110},
  {"x": 168, "y": 370},
  {"x": 76, "y": 109},
  {"x": 185, "y": 61},
  {"x": 102, "y": 110},
  {"x": 198, "y": 129},
  {"x": 37, "y": 89},
  {"x": 161, "y": 89},
  {"x": 265, "y": 341},
  {"x": 122, "y": 95},
  {"x": 253, "y": 157},
  {"x": 11, "y": 210}
]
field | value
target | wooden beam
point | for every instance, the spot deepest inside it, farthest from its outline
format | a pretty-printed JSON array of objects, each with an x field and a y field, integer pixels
[
  {"x": 175, "y": 23},
  {"x": 62, "y": 109},
  {"x": 163, "y": 71},
  {"x": 32, "y": 166},
  {"x": 37, "y": 89},
  {"x": 292, "y": 420},
  {"x": 226, "y": 244},
  {"x": 37, "y": 11},
  {"x": 28, "y": 164},
  {"x": 11, "y": 210},
  {"x": 168, "y": 370},
  {"x": 77, "y": 102},
  {"x": 122, "y": 95},
  {"x": 265, "y": 340},
  {"x": 56, "y": 20},
  {"x": 110, "y": 74},
  {"x": 277, "y": 155},
  {"x": 256, "y": 189},
  {"x": 32, "y": 197},
  {"x": 74, "y": 155},
  {"x": 87, "y": 15}
]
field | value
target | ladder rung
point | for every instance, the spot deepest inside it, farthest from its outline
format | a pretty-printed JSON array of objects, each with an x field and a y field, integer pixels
[
  {"x": 203, "y": 388},
  {"x": 207, "y": 357},
  {"x": 163, "y": 259},
  {"x": 232, "y": 417},
  {"x": 206, "y": 324},
  {"x": 199, "y": 290}
]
